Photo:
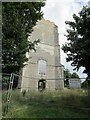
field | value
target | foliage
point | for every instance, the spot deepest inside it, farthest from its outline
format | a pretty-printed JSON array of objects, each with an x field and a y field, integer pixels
[
  {"x": 84, "y": 84},
  {"x": 18, "y": 20},
  {"x": 74, "y": 75},
  {"x": 5, "y": 82},
  {"x": 78, "y": 45},
  {"x": 68, "y": 75},
  {"x": 23, "y": 93}
]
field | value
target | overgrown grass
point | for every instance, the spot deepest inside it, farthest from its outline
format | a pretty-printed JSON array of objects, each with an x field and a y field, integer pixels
[{"x": 68, "y": 103}]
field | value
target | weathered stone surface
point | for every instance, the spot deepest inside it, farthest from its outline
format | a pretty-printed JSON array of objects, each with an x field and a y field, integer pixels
[{"x": 48, "y": 50}]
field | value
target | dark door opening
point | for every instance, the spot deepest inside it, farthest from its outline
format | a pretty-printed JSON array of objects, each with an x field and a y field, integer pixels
[{"x": 42, "y": 84}]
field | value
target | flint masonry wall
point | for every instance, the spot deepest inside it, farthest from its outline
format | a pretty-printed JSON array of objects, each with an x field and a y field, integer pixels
[{"x": 48, "y": 50}]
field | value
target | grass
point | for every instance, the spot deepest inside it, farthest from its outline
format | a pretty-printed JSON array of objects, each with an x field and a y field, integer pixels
[{"x": 58, "y": 104}]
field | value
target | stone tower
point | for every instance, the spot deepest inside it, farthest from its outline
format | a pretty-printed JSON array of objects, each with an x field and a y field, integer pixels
[{"x": 43, "y": 67}]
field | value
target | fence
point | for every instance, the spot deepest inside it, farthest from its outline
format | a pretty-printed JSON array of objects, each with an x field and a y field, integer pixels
[{"x": 34, "y": 95}]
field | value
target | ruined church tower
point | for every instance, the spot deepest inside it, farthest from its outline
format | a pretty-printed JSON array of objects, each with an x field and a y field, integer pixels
[{"x": 43, "y": 67}]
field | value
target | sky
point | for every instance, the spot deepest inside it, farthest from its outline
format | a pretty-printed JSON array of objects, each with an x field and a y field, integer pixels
[{"x": 59, "y": 11}]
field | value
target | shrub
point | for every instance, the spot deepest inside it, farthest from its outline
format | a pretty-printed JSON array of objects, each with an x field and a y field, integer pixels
[
  {"x": 5, "y": 82},
  {"x": 23, "y": 93}
]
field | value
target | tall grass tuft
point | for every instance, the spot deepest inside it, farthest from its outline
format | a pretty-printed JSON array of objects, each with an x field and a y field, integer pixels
[{"x": 52, "y": 103}]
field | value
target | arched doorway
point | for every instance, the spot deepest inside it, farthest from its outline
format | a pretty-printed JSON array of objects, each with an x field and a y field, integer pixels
[{"x": 42, "y": 84}]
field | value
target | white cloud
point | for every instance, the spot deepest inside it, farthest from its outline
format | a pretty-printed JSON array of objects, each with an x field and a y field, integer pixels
[{"x": 58, "y": 11}]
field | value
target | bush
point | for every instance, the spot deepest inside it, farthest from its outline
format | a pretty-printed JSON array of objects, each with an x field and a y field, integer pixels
[
  {"x": 23, "y": 93},
  {"x": 84, "y": 84},
  {"x": 5, "y": 82}
]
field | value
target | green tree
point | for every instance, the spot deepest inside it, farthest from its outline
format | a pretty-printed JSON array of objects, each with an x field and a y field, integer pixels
[
  {"x": 84, "y": 84},
  {"x": 74, "y": 75},
  {"x": 78, "y": 45},
  {"x": 67, "y": 75},
  {"x": 18, "y": 20}
]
